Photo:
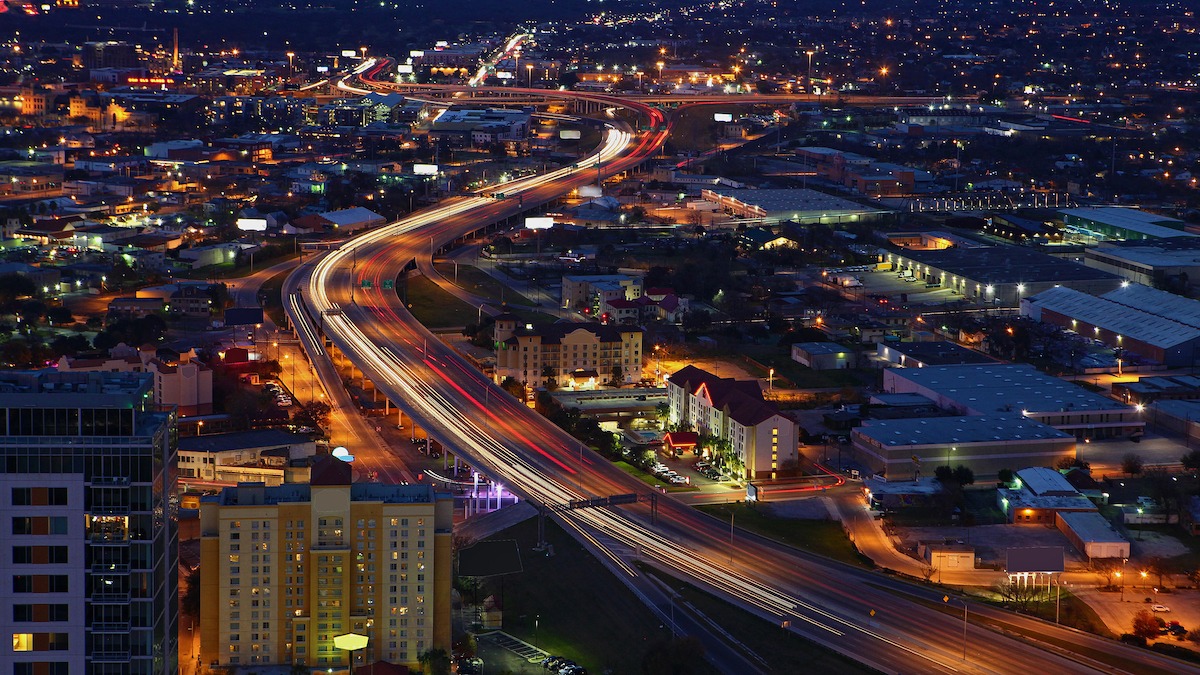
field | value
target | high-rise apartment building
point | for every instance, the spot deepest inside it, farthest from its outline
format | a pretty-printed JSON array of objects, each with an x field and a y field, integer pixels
[
  {"x": 89, "y": 560},
  {"x": 288, "y": 568}
]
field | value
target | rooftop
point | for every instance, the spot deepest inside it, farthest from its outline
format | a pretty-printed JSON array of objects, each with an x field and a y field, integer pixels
[
  {"x": 1171, "y": 251},
  {"x": 781, "y": 202},
  {"x": 960, "y": 430},
  {"x": 1041, "y": 480},
  {"x": 258, "y": 494},
  {"x": 816, "y": 348},
  {"x": 1092, "y": 528},
  {"x": 1149, "y": 224},
  {"x": 241, "y": 440},
  {"x": 1122, "y": 319},
  {"x": 939, "y": 353},
  {"x": 993, "y": 388},
  {"x": 1159, "y": 303},
  {"x": 1004, "y": 265}
]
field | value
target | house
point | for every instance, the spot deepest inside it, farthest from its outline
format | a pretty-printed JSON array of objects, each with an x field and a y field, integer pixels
[{"x": 762, "y": 441}]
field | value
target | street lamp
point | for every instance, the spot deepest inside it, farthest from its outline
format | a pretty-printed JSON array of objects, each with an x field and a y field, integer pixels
[
  {"x": 660, "y": 67},
  {"x": 771, "y": 379},
  {"x": 350, "y": 642},
  {"x": 200, "y": 428},
  {"x": 946, "y": 599},
  {"x": 290, "y": 55},
  {"x": 529, "y": 69},
  {"x": 809, "y": 53}
]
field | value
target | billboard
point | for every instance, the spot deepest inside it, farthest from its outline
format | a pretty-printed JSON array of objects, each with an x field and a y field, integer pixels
[
  {"x": 349, "y": 52},
  {"x": 538, "y": 223},
  {"x": 252, "y": 224},
  {"x": 425, "y": 169},
  {"x": 322, "y": 69},
  {"x": 504, "y": 75},
  {"x": 590, "y": 191},
  {"x": 722, "y": 117},
  {"x": 569, "y": 134},
  {"x": 416, "y": 53},
  {"x": 404, "y": 68}
]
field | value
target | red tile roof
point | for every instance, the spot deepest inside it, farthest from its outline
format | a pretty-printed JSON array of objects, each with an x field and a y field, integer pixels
[{"x": 740, "y": 399}]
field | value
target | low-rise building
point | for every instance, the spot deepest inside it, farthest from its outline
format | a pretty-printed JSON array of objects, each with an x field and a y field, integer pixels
[
  {"x": 824, "y": 355},
  {"x": 925, "y": 354},
  {"x": 993, "y": 389},
  {"x": 580, "y": 291},
  {"x": 902, "y": 449},
  {"x": 268, "y": 456},
  {"x": 180, "y": 380},
  {"x": 762, "y": 440},
  {"x": 536, "y": 353},
  {"x": 1038, "y": 494},
  {"x": 1092, "y": 535}
]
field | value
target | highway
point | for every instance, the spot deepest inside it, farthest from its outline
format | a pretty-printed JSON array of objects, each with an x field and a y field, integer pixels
[{"x": 864, "y": 616}]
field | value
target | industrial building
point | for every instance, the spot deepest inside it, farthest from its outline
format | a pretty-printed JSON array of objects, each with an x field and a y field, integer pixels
[
  {"x": 800, "y": 206},
  {"x": 1157, "y": 326},
  {"x": 1092, "y": 535},
  {"x": 1021, "y": 389},
  {"x": 1040, "y": 493},
  {"x": 925, "y": 354},
  {"x": 1117, "y": 222},
  {"x": 761, "y": 439},
  {"x": 290, "y": 568},
  {"x": 999, "y": 275},
  {"x": 1152, "y": 263},
  {"x": 824, "y": 355},
  {"x": 904, "y": 448},
  {"x": 91, "y": 550}
]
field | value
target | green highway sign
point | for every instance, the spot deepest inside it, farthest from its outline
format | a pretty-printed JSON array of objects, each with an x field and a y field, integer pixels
[
  {"x": 367, "y": 283},
  {"x": 389, "y": 283}
]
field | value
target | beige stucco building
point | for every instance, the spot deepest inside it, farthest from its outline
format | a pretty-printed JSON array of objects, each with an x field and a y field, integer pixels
[
  {"x": 288, "y": 568},
  {"x": 576, "y": 355},
  {"x": 764, "y": 440},
  {"x": 185, "y": 383}
]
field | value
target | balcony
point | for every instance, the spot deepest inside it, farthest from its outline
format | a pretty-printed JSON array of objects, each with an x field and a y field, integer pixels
[{"x": 110, "y": 627}]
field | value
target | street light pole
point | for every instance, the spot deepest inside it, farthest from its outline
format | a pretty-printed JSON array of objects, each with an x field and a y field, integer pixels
[{"x": 947, "y": 599}]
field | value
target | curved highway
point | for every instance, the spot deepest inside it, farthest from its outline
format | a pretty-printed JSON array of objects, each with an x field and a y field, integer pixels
[{"x": 867, "y": 617}]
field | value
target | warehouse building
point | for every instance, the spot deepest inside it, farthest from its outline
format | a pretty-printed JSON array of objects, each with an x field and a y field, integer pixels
[
  {"x": 925, "y": 354},
  {"x": 800, "y": 206},
  {"x": 1117, "y": 222},
  {"x": 1038, "y": 495},
  {"x": 1000, "y": 275},
  {"x": 905, "y": 448},
  {"x": 1157, "y": 326},
  {"x": 1092, "y": 535},
  {"x": 1022, "y": 389},
  {"x": 824, "y": 355},
  {"x": 1173, "y": 259}
]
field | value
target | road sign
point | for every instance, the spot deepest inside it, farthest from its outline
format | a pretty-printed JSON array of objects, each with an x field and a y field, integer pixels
[
  {"x": 916, "y": 460},
  {"x": 622, "y": 499},
  {"x": 367, "y": 283},
  {"x": 389, "y": 283}
]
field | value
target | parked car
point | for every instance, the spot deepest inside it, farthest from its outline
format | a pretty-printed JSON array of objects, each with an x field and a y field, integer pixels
[{"x": 1160, "y": 608}]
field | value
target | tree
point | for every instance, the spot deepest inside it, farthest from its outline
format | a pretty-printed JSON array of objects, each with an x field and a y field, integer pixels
[
  {"x": 313, "y": 414},
  {"x": 1191, "y": 461},
  {"x": 514, "y": 386},
  {"x": 1144, "y": 624},
  {"x": 435, "y": 661},
  {"x": 1005, "y": 476},
  {"x": 662, "y": 411},
  {"x": 189, "y": 600},
  {"x": 963, "y": 475},
  {"x": 944, "y": 474},
  {"x": 696, "y": 320},
  {"x": 1132, "y": 464},
  {"x": 618, "y": 374}
]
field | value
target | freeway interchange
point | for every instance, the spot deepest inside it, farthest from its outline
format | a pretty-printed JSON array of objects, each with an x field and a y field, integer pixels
[{"x": 881, "y": 622}]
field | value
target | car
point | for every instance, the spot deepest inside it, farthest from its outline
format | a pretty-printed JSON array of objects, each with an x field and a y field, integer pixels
[
  {"x": 679, "y": 480},
  {"x": 1160, "y": 608}
]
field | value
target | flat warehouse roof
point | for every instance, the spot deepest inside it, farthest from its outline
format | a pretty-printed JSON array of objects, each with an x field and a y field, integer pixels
[
  {"x": 1159, "y": 303},
  {"x": 1005, "y": 387},
  {"x": 1092, "y": 528},
  {"x": 1004, "y": 265},
  {"x": 946, "y": 430},
  {"x": 799, "y": 201},
  {"x": 1116, "y": 317}
]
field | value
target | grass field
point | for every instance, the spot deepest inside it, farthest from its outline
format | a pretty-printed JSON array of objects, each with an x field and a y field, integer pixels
[
  {"x": 823, "y": 537},
  {"x": 783, "y": 651},
  {"x": 272, "y": 290},
  {"x": 436, "y": 308},
  {"x": 475, "y": 280},
  {"x": 583, "y": 611}
]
